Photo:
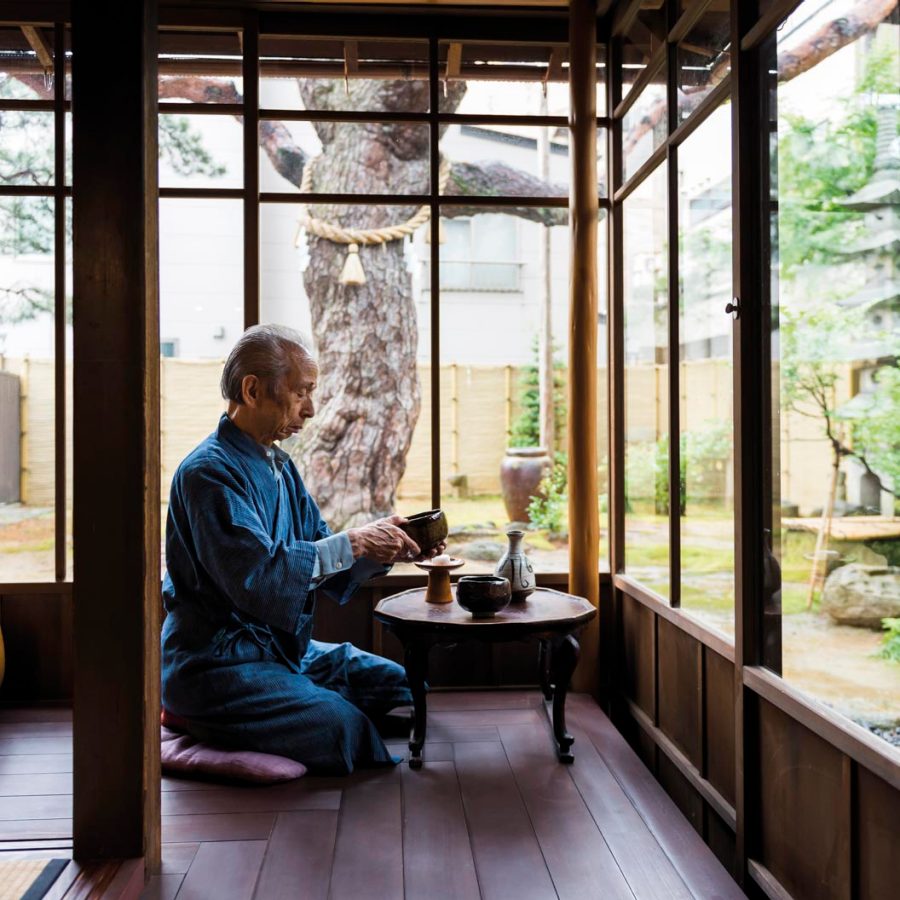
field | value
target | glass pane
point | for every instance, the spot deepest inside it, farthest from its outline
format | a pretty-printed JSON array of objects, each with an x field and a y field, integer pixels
[
  {"x": 27, "y": 390},
  {"x": 23, "y": 75},
  {"x": 198, "y": 67},
  {"x": 200, "y": 151},
  {"x": 507, "y": 79},
  {"x": 835, "y": 345},
  {"x": 603, "y": 391},
  {"x": 69, "y": 388},
  {"x": 201, "y": 290},
  {"x": 646, "y": 305},
  {"x": 27, "y": 144},
  {"x": 644, "y": 127},
  {"x": 333, "y": 74},
  {"x": 372, "y": 424},
  {"x": 506, "y": 160},
  {"x": 504, "y": 292},
  {"x": 646, "y": 36},
  {"x": 705, "y": 372},
  {"x": 344, "y": 157},
  {"x": 602, "y": 187},
  {"x": 704, "y": 58}
]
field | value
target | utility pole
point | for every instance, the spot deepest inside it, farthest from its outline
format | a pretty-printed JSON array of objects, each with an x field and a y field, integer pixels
[{"x": 545, "y": 340}]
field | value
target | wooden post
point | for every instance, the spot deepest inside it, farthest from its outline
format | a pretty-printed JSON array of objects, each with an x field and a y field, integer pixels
[
  {"x": 584, "y": 208},
  {"x": 116, "y": 432},
  {"x": 752, "y": 460},
  {"x": 546, "y": 394}
]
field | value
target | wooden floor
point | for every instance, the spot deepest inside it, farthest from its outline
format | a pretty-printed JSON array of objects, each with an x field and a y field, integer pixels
[{"x": 491, "y": 814}]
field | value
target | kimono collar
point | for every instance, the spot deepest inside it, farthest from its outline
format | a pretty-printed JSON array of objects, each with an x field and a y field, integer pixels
[{"x": 274, "y": 457}]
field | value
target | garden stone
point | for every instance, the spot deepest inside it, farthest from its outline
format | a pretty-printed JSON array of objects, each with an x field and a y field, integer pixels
[
  {"x": 862, "y": 595},
  {"x": 488, "y": 551}
]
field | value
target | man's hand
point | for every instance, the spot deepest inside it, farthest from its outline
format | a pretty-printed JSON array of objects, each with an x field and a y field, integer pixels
[
  {"x": 430, "y": 554},
  {"x": 382, "y": 541}
]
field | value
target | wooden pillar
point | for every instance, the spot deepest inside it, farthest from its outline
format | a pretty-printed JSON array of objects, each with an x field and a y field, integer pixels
[
  {"x": 752, "y": 476},
  {"x": 584, "y": 523},
  {"x": 116, "y": 431}
]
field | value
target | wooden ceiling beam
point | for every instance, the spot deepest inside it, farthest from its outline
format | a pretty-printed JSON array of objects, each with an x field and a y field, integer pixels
[
  {"x": 454, "y": 59},
  {"x": 40, "y": 45},
  {"x": 351, "y": 57}
]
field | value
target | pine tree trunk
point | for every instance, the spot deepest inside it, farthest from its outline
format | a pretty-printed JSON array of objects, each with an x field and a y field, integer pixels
[{"x": 353, "y": 453}]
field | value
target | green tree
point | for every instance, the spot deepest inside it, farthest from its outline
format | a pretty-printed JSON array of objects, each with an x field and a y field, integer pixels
[
  {"x": 27, "y": 224},
  {"x": 526, "y": 429},
  {"x": 820, "y": 164}
]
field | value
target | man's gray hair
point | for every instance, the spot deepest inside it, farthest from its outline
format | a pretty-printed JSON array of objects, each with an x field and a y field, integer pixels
[{"x": 266, "y": 351}]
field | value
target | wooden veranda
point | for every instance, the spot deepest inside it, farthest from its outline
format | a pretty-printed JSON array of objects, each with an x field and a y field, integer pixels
[{"x": 700, "y": 772}]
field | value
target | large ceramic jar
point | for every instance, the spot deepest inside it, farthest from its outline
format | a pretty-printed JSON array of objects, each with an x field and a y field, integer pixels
[{"x": 520, "y": 475}]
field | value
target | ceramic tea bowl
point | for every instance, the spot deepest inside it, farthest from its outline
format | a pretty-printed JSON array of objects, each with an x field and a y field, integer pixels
[
  {"x": 482, "y": 595},
  {"x": 427, "y": 529}
]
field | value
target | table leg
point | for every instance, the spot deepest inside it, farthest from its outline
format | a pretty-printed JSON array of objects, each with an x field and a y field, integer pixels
[
  {"x": 562, "y": 663},
  {"x": 544, "y": 668},
  {"x": 416, "y": 659}
]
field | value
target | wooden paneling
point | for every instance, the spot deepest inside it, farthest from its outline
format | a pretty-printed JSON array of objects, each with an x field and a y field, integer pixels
[
  {"x": 638, "y": 653},
  {"x": 719, "y": 717},
  {"x": 679, "y": 689},
  {"x": 805, "y": 827},
  {"x": 878, "y": 821},
  {"x": 680, "y": 790},
  {"x": 37, "y": 633},
  {"x": 720, "y": 837}
]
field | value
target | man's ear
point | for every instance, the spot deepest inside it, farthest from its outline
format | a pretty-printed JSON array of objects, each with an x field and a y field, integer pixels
[{"x": 251, "y": 389}]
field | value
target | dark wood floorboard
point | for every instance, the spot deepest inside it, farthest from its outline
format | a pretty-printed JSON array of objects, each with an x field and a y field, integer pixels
[
  {"x": 483, "y": 700},
  {"x": 50, "y": 806},
  {"x": 492, "y": 814},
  {"x": 40, "y": 744},
  {"x": 694, "y": 861},
  {"x": 36, "y": 763},
  {"x": 35, "y": 729},
  {"x": 274, "y": 798},
  {"x": 439, "y": 731},
  {"x": 298, "y": 863},
  {"x": 23, "y": 785},
  {"x": 177, "y": 858},
  {"x": 439, "y": 751},
  {"x": 222, "y": 827},
  {"x": 437, "y": 855},
  {"x": 226, "y": 870},
  {"x": 508, "y": 857},
  {"x": 579, "y": 860},
  {"x": 169, "y": 783},
  {"x": 368, "y": 853},
  {"x": 35, "y": 714},
  {"x": 162, "y": 887},
  {"x": 643, "y": 862},
  {"x": 35, "y": 829}
]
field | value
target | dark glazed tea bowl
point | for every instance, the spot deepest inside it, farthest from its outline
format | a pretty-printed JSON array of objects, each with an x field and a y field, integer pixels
[
  {"x": 483, "y": 595},
  {"x": 427, "y": 529}
]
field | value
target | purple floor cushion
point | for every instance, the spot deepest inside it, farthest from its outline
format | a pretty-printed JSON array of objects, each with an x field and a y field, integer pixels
[{"x": 185, "y": 755}]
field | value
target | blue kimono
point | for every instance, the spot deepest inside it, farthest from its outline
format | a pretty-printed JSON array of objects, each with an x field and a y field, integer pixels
[{"x": 238, "y": 660}]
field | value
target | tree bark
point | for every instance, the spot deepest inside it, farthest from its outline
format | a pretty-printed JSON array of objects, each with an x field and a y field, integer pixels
[
  {"x": 353, "y": 453},
  {"x": 830, "y": 38}
]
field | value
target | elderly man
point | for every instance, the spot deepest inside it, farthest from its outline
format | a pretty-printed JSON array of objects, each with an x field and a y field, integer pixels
[{"x": 246, "y": 549}]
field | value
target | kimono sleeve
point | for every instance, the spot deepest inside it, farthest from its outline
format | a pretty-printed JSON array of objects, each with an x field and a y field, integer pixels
[{"x": 268, "y": 579}]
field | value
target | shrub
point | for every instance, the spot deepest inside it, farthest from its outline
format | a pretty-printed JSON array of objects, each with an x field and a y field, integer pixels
[
  {"x": 890, "y": 648},
  {"x": 549, "y": 509}
]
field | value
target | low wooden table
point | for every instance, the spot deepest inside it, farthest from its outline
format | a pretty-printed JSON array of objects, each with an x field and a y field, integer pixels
[{"x": 551, "y": 617}]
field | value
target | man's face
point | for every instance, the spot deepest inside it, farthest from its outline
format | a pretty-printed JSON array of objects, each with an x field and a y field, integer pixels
[{"x": 283, "y": 410}]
